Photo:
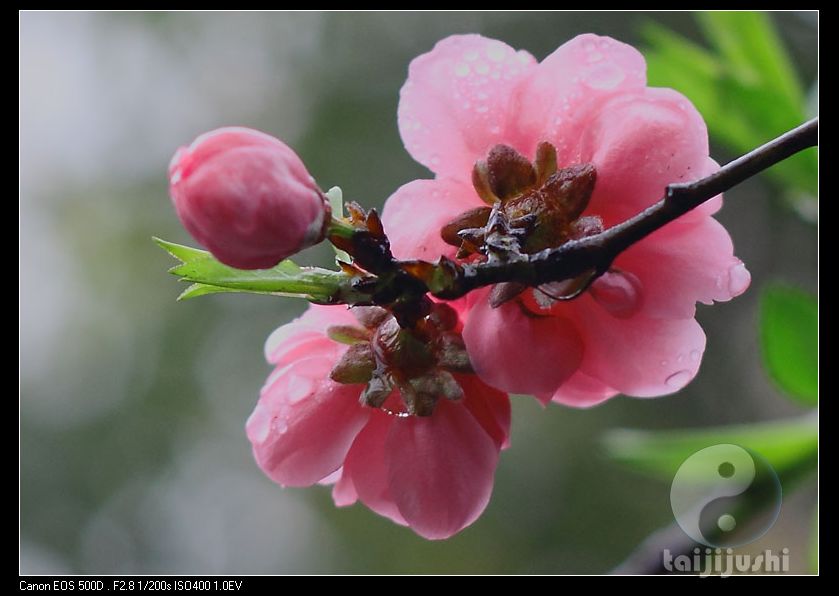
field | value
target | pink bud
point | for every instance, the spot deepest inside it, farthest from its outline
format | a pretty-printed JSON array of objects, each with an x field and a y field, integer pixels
[{"x": 247, "y": 197}]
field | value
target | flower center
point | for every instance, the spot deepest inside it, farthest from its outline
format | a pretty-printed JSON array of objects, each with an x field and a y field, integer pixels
[
  {"x": 419, "y": 362},
  {"x": 534, "y": 206}
]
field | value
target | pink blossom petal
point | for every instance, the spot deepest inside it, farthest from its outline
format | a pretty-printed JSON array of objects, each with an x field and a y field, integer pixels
[
  {"x": 286, "y": 342},
  {"x": 558, "y": 97},
  {"x": 343, "y": 491},
  {"x": 304, "y": 424},
  {"x": 365, "y": 470},
  {"x": 416, "y": 212},
  {"x": 440, "y": 469},
  {"x": 490, "y": 407},
  {"x": 683, "y": 263},
  {"x": 458, "y": 102},
  {"x": 518, "y": 352},
  {"x": 582, "y": 391},
  {"x": 641, "y": 142},
  {"x": 639, "y": 356}
]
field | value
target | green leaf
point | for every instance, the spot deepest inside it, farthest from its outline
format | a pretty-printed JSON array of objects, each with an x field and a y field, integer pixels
[
  {"x": 789, "y": 338},
  {"x": 287, "y": 278},
  {"x": 745, "y": 87},
  {"x": 788, "y": 445}
]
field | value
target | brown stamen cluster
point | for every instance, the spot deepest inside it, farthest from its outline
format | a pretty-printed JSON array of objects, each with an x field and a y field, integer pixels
[
  {"x": 534, "y": 206},
  {"x": 418, "y": 361}
]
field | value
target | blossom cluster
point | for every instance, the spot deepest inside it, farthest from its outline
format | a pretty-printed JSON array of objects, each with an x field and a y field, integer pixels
[{"x": 411, "y": 421}]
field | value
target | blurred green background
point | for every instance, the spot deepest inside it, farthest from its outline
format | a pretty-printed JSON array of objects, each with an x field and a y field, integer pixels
[{"x": 133, "y": 456}]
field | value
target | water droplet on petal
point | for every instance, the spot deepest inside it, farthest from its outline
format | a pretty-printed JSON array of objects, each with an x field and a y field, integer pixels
[
  {"x": 739, "y": 279},
  {"x": 678, "y": 379},
  {"x": 462, "y": 69},
  {"x": 605, "y": 76},
  {"x": 619, "y": 292},
  {"x": 280, "y": 424},
  {"x": 298, "y": 388},
  {"x": 435, "y": 159},
  {"x": 663, "y": 363},
  {"x": 482, "y": 68},
  {"x": 595, "y": 57},
  {"x": 495, "y": 52},
  {"x": 694, "y": 355},
  {"x": 470, "y": 56}
]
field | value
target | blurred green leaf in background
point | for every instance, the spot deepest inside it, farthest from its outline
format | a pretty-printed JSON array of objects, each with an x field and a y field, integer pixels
[
  {"x": 789, "y": 338},
  {"x": 744, "y": 86}
]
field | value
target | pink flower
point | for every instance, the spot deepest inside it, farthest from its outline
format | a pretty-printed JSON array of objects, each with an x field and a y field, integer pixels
[
  {"x": 247, "y": 197},
  {"x": 474, "y": 111},
  {"x": 433, "y": 472}
]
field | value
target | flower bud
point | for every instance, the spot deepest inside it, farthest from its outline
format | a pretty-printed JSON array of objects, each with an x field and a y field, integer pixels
[{"x": 247, "y": 197}]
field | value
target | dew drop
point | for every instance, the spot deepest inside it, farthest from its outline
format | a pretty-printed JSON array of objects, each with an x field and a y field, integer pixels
[
  {"x": 663, "y": 363},
  {"x": 595, "y": 57},
  {"x": 605, "y": 76},
  {"x": 435, "y": 159},
  {"x": 589, "y": 46},
  {"x": 495, "y": 52},
  {"x": 678, "y": 379},
  {"x": 681, "y": 358},
  {"x": 462, "y": 69},
  {"x": 694, "y": 355},
  {"x": 280, "y": 424},
  {"x": 619, "y": 292},
  {"x": 298, "y": 388},
  {"x": 739, "y": 279},
  {"x": 482, "y": 68},
  {"x": 470, "y": 56}
]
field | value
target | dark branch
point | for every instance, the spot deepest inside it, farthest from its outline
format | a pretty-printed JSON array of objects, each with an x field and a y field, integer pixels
[{"x": 597, "y": 252}]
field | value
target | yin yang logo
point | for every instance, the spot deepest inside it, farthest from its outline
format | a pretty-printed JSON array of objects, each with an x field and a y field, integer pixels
[{"x": 725, "y": 496}]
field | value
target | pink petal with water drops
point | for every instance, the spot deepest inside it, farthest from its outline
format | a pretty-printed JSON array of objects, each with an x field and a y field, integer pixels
[
  {"x": 685, "y": 263},
  {"x": 558, "y": 97},
  {"x": 458, "y": 102},
  {"x": 304, "y": 424},
  {"x": 639, "y": 143},
  {"x": 639, "y": 356}
]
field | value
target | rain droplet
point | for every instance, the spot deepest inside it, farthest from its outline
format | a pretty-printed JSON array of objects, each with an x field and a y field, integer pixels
[
  {"x": 482, "y": 68},
  {"x": 280, "y": 424},
  {"x": 495, "y": 52},
  {"x": 298, "y": 388},
  {"x": 605, "y": 76},
  {"x": 462, "y": 69},
  {"x": 595, "y": 57},
  {"x": 678, "y": 379},
  {"x": 435, "y": 159},
  {"x": 619, "y": 292},
  {"x": 738, "y": 279},
  {"x": 470, "y": 56}
]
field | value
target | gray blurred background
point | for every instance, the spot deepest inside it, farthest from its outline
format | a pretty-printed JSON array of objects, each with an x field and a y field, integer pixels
[{"x": 133, "y": 456}]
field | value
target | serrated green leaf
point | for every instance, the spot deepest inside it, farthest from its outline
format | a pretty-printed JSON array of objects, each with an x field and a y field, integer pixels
[
  {"x": 287, "y": 278},
  {"x": 789, "y": 338},
  {"x": 786, "y": 445}
]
